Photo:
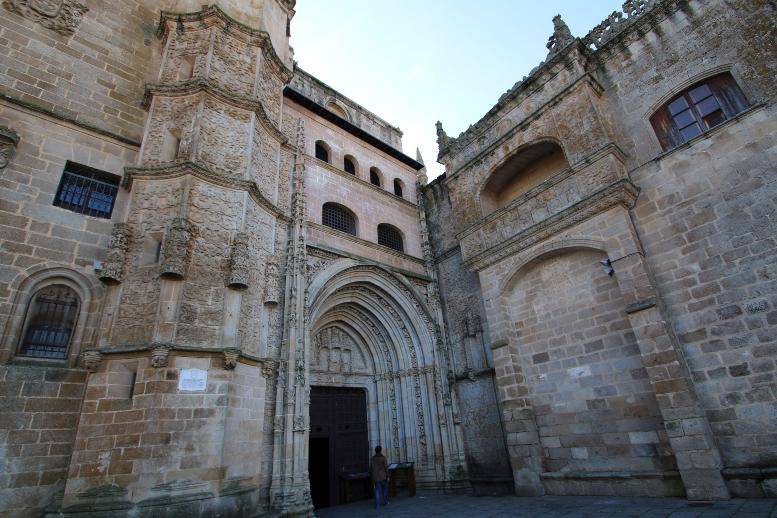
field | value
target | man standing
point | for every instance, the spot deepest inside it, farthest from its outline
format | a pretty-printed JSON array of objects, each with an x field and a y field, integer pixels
[{"x": 379, "y": 470}]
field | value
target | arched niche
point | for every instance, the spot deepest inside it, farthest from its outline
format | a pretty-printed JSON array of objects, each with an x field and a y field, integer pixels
[{"x": 526, "y": 168}]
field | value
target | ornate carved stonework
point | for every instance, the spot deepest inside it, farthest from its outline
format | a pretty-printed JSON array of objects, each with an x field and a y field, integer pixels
[
  {"x": 176, "y": 249},
  {"x": 238, "y": 262},
  {"x": 561, "y": 37},
  {"x": 230, "y": 358},
  {"x": 159, "y": 356},
  {"x": 90, "y": 360},
  {"x": 113, "y": 268},
  {"x": 8, "y": 142},
  {"x": 272, "y": 283},
  {"x": 62, "y": 16}
]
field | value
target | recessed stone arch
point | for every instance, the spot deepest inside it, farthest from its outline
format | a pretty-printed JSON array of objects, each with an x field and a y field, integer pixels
[{"x": 26, "y": 285}]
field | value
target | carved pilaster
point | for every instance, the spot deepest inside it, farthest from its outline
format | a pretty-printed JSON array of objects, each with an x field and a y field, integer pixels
[
  {"x": 272, "y": 285},
  {"x": 9, "y": 139},
  {"x": 238, "y": 262},
  {"x": 113, "y": 269},
  {"x": 90, "y": 360},
  {"x": 62, "y": 16},
  {"x": 176, "y": 249}
]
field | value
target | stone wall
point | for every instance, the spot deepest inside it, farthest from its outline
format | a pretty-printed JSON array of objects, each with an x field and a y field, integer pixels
[{"x": 39, "y": 412}]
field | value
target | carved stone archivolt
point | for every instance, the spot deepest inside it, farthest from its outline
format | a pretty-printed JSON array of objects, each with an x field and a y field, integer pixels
[
  {"x": 9, "y": 139},
  {"x": 114, "y": 266},
  {"x": 239, "y": 262},
  {"x": 62, "y": 16},
  {"x": 176, "y": 249}
]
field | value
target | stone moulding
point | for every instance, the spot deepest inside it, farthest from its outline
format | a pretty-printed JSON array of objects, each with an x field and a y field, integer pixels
[
  {"x": 62, "y": 16},
  {"x": 176, "y": 249},
  {"x": 90, "y": 360},
  {"x": 180, "y": 168},
  {"x": 239, "y": 259},
  {"x": 272, "y": 284},
  {"x": 113, "y": 268},
  {"x": 211, "y": 16},
  {"x": 231, "y": 357},
  {"x": 159, "y": 356},
  {"x": 621, "y": 192},
  {"x": 195, "y": 86},
  {"x": 9, "y": 139}
]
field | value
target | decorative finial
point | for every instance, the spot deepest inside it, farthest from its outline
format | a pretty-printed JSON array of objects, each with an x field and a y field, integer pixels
[
  {"x": 442, "y": 138},
  {"x": 561, "y": 37},
  {"x": 418, "y": 157}
]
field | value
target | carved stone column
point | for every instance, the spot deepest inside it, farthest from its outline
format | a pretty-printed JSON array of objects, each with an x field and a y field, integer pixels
[
  {"x": 9, "y": 139},
  {"x": 113, "y": 268},
  {"x": 176, "y": 249},
  {"x": 272, "y": 291},
  {"x": 239, "y": 262}
]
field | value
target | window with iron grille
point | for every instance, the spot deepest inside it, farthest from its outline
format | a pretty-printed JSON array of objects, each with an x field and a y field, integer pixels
[
  {"x": 339, "y": 218},
  {"x": 374, "y": 176},
  {"x": 322, "y": 151},
  {"x": 397, "y": 187},
  {"x": 349, "y": 165},
  {"x": 51, "y": 318},
  {"x": 697, "y": 109},
  {"x": 87, "y": 191},
  {"x": 391, "y": 237}
]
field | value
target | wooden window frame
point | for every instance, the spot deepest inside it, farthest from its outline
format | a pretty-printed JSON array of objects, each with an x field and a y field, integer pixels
[{"x": 697, "y": 109}]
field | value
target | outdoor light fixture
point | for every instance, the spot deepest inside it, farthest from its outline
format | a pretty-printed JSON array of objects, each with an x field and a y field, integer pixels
[
  {"x": 607, "y": 263},
  {"x": 608, "y": 269}
]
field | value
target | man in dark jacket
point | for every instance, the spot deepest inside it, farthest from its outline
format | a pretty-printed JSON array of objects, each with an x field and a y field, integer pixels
[{"x": 379, "y": 471}]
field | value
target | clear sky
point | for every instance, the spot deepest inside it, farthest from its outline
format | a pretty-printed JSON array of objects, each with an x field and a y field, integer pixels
[{"x": 413, "y": 62}]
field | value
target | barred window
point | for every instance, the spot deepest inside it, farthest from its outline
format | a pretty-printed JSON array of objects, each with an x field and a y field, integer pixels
[
  {"x": 339, "y": 218},
  {"x": 375, "y": 176},
  {"x": 349, "y": 164},
  {"x": 51, "y": 318},
  {"x": 398, "y": 187},
  {"x": 322, "y": 151},
  {"x": 391, "y": 237},
  {"x": 697, "y": 109},
  {"x": 87, "y": 191}
]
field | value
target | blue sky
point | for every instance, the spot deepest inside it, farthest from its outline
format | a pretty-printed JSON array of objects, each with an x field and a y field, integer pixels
[{"x": 413, "y": 62}]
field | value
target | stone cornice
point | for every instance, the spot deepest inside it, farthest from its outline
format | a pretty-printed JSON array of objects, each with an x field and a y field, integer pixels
[
  {"x": 621, "y": 192},
  {"x": 169, "y": 20},
  {"x": 370, "y": 244},
  {"x": 118, "y": 350},
  {"x": 195, "y": 86},
  {"x": 447, "y": 254},
  {"x": 362, "y": 259},
  {"x": 183, "y": 167},
  {"x": 354, "y": 178}
]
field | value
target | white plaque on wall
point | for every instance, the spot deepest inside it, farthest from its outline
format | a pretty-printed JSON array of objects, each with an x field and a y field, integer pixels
[{"x": 192, "y": 380}]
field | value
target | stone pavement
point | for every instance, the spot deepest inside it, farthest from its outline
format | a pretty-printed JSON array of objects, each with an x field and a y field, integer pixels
[{"x": 431, "y": 505}]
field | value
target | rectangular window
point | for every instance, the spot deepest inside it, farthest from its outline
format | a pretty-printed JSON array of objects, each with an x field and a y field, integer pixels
[{"x": 87, "y": 191}]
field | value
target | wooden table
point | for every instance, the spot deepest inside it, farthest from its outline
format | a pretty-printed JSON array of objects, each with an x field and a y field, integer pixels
[
  {"x": 350, "y": 484},
  {"x": 401, "y": 474}
]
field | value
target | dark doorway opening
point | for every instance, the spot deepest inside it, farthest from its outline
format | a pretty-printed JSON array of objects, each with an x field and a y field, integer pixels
[{"x": 338, "y": 457}]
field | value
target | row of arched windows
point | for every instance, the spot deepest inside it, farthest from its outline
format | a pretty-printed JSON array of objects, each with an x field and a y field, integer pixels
[
  {"x": 322, "y": 152},
  {"x": 334, "y": 215}
]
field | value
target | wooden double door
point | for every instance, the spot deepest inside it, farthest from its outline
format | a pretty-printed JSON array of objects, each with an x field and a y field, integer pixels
[{"x": 339, "y": 446}]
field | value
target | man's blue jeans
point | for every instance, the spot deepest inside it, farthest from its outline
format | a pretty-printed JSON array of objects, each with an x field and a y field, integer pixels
[{"x": 381, "y": 493}]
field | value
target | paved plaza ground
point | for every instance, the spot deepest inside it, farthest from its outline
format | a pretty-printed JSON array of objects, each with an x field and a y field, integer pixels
[{"x": 428, "y": 506}]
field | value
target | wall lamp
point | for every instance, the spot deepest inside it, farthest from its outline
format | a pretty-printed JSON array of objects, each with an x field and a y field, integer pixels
[{"x": 607, "y": 263}]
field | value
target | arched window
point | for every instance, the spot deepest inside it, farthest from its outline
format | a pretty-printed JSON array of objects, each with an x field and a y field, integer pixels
[
  {"x": 390, "y": 236},
  {"x": 697, "y": 109},
  {"x": 51, "y": 319},
  {"x": 527, "y": 168},
  {"x": 349, "y": 164},
  {"x": 322, "y": 151},
  {"x": 375, "y": 176},
  {"x": 339, "y": 218},
  {"x": 398, "y": 187}
]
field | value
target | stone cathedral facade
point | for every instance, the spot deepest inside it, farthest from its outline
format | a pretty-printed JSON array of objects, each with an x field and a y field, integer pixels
[{"x": 223, "y": 283}]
